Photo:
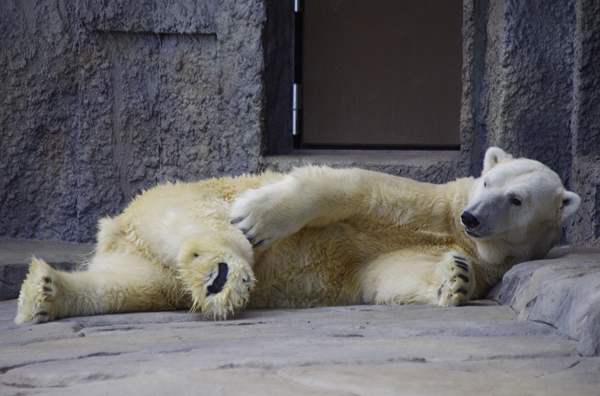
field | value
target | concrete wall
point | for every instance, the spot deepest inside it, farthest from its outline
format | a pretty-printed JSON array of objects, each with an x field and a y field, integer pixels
[
  {"x": 532, "y": 87},
  {"x": 100, "y": 99}
]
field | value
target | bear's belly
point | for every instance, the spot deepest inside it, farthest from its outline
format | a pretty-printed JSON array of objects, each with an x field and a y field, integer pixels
[{"x": 321, "y": 266}]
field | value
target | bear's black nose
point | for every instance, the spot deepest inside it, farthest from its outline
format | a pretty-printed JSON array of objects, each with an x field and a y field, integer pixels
[{"x": 469, "y": 220}]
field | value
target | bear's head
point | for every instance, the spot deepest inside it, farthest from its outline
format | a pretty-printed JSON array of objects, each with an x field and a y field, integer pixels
[{"x": 516, "y": 209}]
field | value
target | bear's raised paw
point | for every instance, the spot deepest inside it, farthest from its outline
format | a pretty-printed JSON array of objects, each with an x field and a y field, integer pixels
[{"x": 458, "y": 283}]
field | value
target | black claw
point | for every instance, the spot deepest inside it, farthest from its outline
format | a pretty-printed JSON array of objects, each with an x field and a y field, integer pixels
[
  {"x": 460, "y": 260},
  {"x": 462, "y": 266},
  {"x": 462, "y": 291},
  {"x": 235, "y": 221},
  {"x": 259, "y": 244},
  {"x": 220, "y": 280},
  {"x": 440, "y": 291},
  {"x": 47, "y": 279},
  {"x": 464, "y": 278}
]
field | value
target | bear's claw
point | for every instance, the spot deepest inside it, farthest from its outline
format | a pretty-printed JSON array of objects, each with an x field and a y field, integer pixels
[
  {"x": 458, "y": 284},
  {"x": 38, "y": 294}
]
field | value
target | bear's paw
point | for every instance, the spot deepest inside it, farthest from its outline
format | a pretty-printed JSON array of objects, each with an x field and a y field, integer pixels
[
  {"x": 271, "y": 213},
  {"x": 219, "y": 286},
  {"x": 227, "y": 290},
  {"x": 458, "y": 283},
  {"x": 38, "y": 294}
]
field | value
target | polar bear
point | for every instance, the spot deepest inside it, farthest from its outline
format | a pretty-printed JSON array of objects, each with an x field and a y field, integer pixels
[{"x": 316, "y": 236}]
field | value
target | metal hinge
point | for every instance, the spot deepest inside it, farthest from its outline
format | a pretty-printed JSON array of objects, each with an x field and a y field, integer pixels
[{"x": 296, "y": 109}]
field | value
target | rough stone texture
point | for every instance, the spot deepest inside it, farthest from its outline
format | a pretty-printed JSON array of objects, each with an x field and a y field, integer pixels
[
  {"x": 530, "y": 86},
  {"x": 15, "y": 256},
  {"x": 358, "y": 350},
  {"x": 101, "y": 99},
  {"x": 562, "y": 291},
  {"x": 585, "y": 124},
  {"x": 517, "y": 80},
  {"x": 38, "y": 97},
  {"x": 530, "y": 61}
]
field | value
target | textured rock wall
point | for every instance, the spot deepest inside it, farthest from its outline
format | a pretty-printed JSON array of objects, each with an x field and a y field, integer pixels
[
  {"x": 101, "y": 99},
  {"x": 38, "y": 121},
  {"x": 532, "y": 87},
  {"x": 532, "y": 81},
  {"x": 585, "y": 124},
  {"x": 522, "y": 63}
]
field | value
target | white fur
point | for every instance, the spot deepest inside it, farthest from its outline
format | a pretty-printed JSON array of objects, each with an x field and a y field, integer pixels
[{"x": 322, "y": 236}]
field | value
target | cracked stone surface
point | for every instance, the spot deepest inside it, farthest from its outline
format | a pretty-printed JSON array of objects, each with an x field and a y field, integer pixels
[{"x": 479, "y": 349}]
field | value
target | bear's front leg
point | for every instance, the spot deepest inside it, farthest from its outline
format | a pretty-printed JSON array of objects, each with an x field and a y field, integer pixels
[
  {"x": 458, "y": 280},
  {"x": 216, "y": 269}
]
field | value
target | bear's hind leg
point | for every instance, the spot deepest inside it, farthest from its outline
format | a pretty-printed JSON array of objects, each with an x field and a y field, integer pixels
[
  {"x": 114, "y": 282},
  {"x": 216, "y": 269},
  {"x": 458, "y": 280}
]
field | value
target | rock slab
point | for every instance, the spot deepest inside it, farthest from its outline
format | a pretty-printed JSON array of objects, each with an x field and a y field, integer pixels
[
  {"x": 359, "y": 350},
  {"x": 562, "y": 291}
]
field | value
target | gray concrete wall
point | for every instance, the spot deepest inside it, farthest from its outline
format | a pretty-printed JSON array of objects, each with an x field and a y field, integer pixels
[
  {"x": 532, "y": 87},
  {"x": 100, "y": 99}
]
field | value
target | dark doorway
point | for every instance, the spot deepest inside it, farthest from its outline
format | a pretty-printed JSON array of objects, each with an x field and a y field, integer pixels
[{"x": 381, "y": 73}]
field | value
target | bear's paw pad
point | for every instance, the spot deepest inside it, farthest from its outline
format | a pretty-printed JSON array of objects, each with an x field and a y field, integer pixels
[
  {"x": 227, "y": 289},
  {"x": 217, "y": 281},
  {"x": 458, "y": 283}
]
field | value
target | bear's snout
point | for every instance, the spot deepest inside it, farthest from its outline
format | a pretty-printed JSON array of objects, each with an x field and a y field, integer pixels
[{"x": 468, "y": 220}]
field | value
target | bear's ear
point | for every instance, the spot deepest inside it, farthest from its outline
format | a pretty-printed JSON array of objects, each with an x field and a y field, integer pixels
[
  {"x": 569, "y": 204},
  {"x": 494, "y": 156}
]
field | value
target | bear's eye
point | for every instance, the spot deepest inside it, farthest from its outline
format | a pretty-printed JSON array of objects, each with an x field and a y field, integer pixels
[{"x": 515, "y": 201}]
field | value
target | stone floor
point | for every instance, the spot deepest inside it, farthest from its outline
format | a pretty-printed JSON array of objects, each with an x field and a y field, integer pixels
[{"x": 525, "y": 347}]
